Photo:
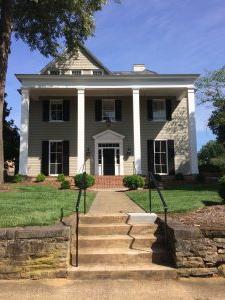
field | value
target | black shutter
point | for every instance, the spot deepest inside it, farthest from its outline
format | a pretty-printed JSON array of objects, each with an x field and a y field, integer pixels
[
  {"x": 150, "y": 153},
  {"x": 118, "y": 110},
  {"x": 66, "y": 110},
  {"x": 171, "y": 156},
  {"x": 168, "y": 110},
  {"x": 45, "y": 158},
  {"x": 150, "y": 110},
  {"x": 45, "y": 110},
  {"x": 98, "y": 110},
  {"x": 66, "y": 155}
]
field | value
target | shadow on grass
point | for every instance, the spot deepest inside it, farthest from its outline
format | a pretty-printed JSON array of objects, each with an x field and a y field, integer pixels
[{"x": 212, "y": 203}]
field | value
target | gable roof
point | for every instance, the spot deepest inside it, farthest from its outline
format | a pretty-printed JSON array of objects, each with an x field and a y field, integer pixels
[{"x": 91, "y": 57}]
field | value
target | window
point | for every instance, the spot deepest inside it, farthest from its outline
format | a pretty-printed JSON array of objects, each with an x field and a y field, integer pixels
[
  {"x": 160, "y": 157},
  {"x": 56, "y": 110},
  {"x": 55, "y": 157},
  {"x": 159, "y": 110},
  {"x": 76, "y": 72},
  {"x": 54, "y": 72},
  {"x": 108, "y": 109},
  {"x": 97, "y": 73}
]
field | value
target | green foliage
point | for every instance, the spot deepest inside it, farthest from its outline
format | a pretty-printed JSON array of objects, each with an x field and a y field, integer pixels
[
  {"x": 179, "y": 176},
  {"x": 200, "y": 178},
  {"x": 84, "y": 182},
  {"x": 133, "y": 181},
  {"x": 61, "y": 177},
  {"x": 65, "y": 185},
  {"x": 222, "y": 187},
  {"x": 18, "y": 178},
  {"x": 211, "y": 88},
  {"x": 40, "y": 177}
]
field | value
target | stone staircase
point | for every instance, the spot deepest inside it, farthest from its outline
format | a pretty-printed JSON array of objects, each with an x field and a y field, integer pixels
[
  {"x": 110, "y": 246},
  {"x": 106, "y": 182}
]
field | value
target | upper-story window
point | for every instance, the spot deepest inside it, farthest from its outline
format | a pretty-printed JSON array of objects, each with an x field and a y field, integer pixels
[
  {"x": 54, "y": 72},
  {"x": 76, "y": 72},
  {"x": 56, "y": 110},
  {"x": 97, "y": 73},
  {"x": 159, "y": 109},
  {"x": 108, "y": 109}
]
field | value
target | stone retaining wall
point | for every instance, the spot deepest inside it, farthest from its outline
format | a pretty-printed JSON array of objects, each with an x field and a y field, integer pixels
[
  {"x": 34, "y": 252},
  {"x": 197, "y": 251}
]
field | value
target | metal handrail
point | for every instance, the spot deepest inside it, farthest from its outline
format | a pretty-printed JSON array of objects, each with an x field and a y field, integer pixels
[
  {"x": 165, "y": 207},
  {"x": 81, "y": 189}
]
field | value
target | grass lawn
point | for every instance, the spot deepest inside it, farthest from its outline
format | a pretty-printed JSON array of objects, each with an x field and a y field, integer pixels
[
  {"x": 179, "y": 199},
  {"x": 37, "y": 205}
]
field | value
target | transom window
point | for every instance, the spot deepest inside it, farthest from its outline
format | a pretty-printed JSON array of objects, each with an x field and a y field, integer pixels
[
  {"x": 110, "y": 145},
  {"x": 160, "y": 157},
  {"x": 97, "y": 72},
  {"x": 159, "y": 109},
  {"x": 55, "y": 157},
  {"x": 56, "y": 110},
  {"x": 76, "y": 72},
  {"x": 108, "y": 109}
]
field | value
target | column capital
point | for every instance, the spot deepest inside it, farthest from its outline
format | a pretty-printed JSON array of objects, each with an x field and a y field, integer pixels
[
  {"x": 81, "y": 91},
  {"x": 25, "y": 92},
  {"x": 136, "y": 91}
]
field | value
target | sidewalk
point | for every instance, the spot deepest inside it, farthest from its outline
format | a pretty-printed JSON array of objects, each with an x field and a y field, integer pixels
[{"x": 109, "y": 202}]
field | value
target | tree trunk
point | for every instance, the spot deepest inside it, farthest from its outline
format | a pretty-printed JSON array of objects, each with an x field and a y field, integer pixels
[{"x": 6, "y": 22}]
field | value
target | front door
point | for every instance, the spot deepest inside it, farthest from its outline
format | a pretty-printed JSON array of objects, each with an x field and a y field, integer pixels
[{"x": 109, "y": 161}]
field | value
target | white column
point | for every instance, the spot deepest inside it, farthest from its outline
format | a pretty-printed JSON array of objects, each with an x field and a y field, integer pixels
[
  {"x": 137, "y": 131},
  {"x": 24, "y": 132},
  {"x": 80, "y": 130},
  {"x": 192, "y": 131}
]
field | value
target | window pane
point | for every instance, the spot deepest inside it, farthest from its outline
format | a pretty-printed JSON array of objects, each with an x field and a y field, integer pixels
[
  {"x": 163, "y": 158},
  {"x": 157, "y": 158},
  {"x": 59, "y": 146},
  {"x": 108, "y": 109},
  {"x": 53, "y": 158},
  {"x": 163, "y": 146},
  {"x": 157, "y": 169},
  {"x": 52, "y": 169},
  {"x": 159, "y": 110},
  {"x": 53, "y": 147},
  {"x": 157, "y": 146}
]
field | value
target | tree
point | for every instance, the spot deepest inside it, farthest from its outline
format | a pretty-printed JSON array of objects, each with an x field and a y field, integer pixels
[
  {"x": 44, "y": 25},
  {"x": 211, "y": 88},
  {"x": 211, "y": 150},
  {"x": 11, "y": 136}
]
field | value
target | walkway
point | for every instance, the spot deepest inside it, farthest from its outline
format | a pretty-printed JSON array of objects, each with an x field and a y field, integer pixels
[{"x": 109, "y": 202}]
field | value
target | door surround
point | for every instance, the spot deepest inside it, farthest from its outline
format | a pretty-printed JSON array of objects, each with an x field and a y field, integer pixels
[{"x": 109, "y": 137}]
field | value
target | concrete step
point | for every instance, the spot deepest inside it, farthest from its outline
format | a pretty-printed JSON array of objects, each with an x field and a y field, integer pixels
[
  {"x": 118, "y": 256},
  {"x": 117, "y": 241},
  {"x": 144, "y": 271},
  {"x": 103, "y": 219},
  {"x": 107, "y": 229}
]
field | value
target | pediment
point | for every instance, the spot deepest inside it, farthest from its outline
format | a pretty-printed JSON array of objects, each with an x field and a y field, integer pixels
[{"x": 108, "y": 136}]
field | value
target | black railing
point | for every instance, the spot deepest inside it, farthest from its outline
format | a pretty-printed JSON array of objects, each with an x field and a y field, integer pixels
[
  {"x": 82, "y": 190},
  {"x": 152, "y": 183}
]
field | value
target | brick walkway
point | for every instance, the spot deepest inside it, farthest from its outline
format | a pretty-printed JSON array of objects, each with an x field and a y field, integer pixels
[{"x": 113, "y": 202}]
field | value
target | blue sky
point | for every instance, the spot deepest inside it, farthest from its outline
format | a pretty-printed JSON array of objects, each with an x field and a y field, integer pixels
[{"x": 169, "y": 36}]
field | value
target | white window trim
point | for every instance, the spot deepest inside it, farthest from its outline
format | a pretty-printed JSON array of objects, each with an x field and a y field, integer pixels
[
  {"x": 49, "y": 155},
  {"x": 114, "y": 101},
  {"x": 167, "y": 162},
  {"x": 50, "y": 114},
  {"x": 157, "y": 100}
]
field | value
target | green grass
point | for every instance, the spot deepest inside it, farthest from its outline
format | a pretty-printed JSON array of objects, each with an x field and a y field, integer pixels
[
  {"x": 179, "y": 199},
  {"x": 37, "y": 205}
]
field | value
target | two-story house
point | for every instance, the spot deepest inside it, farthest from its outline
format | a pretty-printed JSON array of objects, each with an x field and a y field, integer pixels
[{"x": 77, "y": 112}]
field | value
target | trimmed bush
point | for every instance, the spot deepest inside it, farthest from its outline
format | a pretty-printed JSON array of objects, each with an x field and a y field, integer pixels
[
  {"x": 79, "y": 181},
  {"x": 40, "y": 177},
  {"x": 133, "y": 181},
  {"x": 61, "y": 178},
  {"x": 200, "y": 178},
  {"x": 18, "y": 178},
  {"x": 179, "y": 176},
  {"x": 65, "y": 185},
  {"x": 221, "y": 191}
]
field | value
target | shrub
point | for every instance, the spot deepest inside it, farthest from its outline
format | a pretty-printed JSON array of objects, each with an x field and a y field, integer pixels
[
  {"x": 61, "y": 178},
  {"x": 40, "y": 177},
  {"x": 133, "y": 181},
  {"x": 222, "y": 187},
  {"x": 200, "y": 178},
  {"x": 158, "y": 177},
  {"x": 65, "y": 185},
  {"x": 18, "y": 178},
  {"x": 79, "y": 181},
  {"x": 179, "y": 176}
]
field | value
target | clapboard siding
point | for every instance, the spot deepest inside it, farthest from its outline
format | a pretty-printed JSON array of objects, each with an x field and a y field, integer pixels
[
  {"x": 40, "y": 131},
  {"x": 124, "y": 127},
  {"x": 177, "y": 130}
]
